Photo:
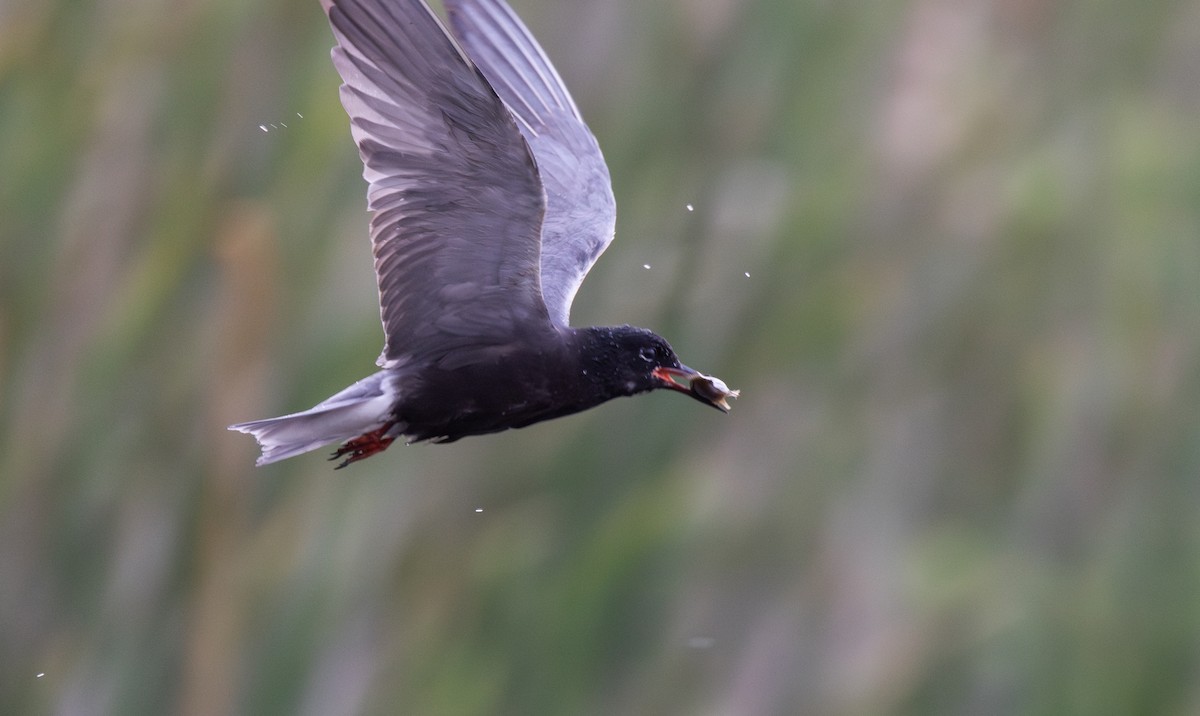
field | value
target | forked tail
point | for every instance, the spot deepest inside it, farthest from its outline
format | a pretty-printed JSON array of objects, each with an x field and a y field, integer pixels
[{"x": 365, "y": 407}]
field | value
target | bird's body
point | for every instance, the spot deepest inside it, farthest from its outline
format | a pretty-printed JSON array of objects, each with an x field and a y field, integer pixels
[{"x": 490, "y": 202}]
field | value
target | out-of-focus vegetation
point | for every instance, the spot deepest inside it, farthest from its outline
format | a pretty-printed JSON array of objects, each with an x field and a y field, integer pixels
[{"x": 949, "y": 251}]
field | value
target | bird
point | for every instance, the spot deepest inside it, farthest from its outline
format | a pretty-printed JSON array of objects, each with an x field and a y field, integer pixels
[{"x": 490, "y": 200}]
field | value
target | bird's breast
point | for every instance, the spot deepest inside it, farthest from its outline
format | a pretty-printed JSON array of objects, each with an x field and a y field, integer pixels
[{"x": 510, "y": 392}]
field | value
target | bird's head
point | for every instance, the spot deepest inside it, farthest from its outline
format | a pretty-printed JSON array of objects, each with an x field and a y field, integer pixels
[{"x": 634, "y": 360}]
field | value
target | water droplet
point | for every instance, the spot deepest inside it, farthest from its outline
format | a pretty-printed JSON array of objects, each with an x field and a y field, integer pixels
[
  {"x": 690, "y": 207},
  {"x": 301, "y": 116},
  {"x": 479, "y": 509},
  {"x": 646, "y": 266},
  {"x": 747, "y": 274},
  {"x": 41, "y": 674},
  {"x": 263, "y": 127}
]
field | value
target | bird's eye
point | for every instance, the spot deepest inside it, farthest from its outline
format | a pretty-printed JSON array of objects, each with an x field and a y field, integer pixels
[{"x": 648, "y": 354}]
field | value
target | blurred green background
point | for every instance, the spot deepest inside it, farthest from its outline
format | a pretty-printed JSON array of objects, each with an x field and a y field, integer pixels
[{"x": 949, "y": 251}]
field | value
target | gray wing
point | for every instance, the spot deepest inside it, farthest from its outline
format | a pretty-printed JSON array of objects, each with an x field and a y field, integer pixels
[
  {"x": 580, "y": 211},
  {"x": 455, "y": 194}
]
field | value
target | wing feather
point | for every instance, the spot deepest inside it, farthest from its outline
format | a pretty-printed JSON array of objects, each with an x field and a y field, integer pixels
[
  {"x": 454, "y": 191},
  {"x": 580, "y": 210}
]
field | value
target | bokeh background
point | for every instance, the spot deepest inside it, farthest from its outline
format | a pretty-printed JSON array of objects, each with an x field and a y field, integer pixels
[{"x": 949, "y": 250}]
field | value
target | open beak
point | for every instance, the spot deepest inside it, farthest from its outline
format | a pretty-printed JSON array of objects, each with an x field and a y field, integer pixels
[
  {"x": 706, "y": 389},
  {"x": 676, "y": 378}
]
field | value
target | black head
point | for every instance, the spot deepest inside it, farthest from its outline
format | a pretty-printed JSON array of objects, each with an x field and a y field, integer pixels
[{"x": 628, "y": 360}]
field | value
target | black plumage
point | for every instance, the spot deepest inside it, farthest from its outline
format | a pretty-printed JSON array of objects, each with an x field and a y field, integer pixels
[{"x": 490, "y": 202}]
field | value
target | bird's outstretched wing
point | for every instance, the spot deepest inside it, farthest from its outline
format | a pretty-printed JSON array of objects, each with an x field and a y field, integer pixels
[
  {"x": 456, "y": 198},
  {"x": 580, "y": 211}
]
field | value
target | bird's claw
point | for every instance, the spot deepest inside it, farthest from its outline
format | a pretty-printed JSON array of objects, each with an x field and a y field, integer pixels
[{"x": 363, "y": 446}]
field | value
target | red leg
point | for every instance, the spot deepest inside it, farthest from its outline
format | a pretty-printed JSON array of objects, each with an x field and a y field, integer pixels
[{"x": 364, "y": 446}]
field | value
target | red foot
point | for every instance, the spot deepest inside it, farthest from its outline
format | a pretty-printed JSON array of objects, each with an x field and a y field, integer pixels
[{"x": 363, "y": 446}]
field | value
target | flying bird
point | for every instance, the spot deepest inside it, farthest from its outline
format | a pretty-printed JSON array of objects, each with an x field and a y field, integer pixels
[{"x": 490, "y": 201}]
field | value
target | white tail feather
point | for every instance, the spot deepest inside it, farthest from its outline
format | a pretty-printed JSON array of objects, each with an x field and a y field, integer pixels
[{"x": 363, "y": 407}]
